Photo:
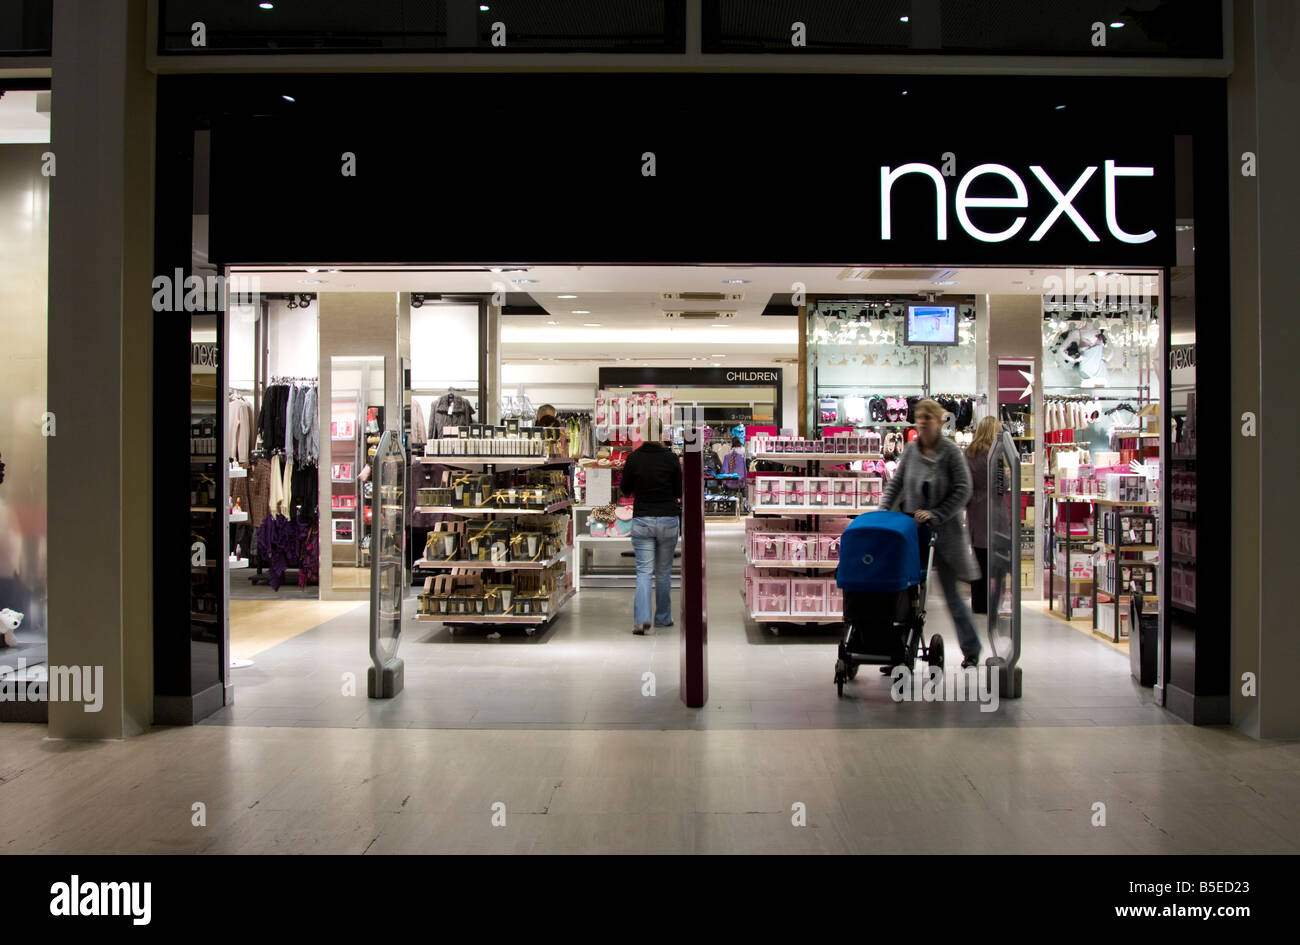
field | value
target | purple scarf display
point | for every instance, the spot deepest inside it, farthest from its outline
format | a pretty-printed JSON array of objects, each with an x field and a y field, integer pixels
[{"x": 287, "y": 544}]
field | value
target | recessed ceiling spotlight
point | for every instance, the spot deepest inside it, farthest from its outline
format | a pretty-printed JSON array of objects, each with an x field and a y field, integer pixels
[
  {"x": 591, "y": 324},
  {"x": 312, "y": 269},
  {"x": 1059, "y": 107},
  {"x": 719, "y": 326},
  {"x": 948, "y": 282},
  {"x": 904, "y": 91},
  {"x": 736, "y": 281},
  {"x": 266, "y": 5},
  {"x": 1117, "y": 25},
  {"x": 524, "y": 281},
  {"x": 566, "y": 296},
  {"x": 552, "y": 323},
  {"x": 334, "y": 270},
  {"x": 717, "y": 355},
  {"x": 579, "y": 311},
  {"x": 483, "y": 7},
  {"x": 716, "y": 364},
  {"x": 1182, "y": 228},
  {"x": 288, "y": 98},
  {"x": 903, "y": 19}
]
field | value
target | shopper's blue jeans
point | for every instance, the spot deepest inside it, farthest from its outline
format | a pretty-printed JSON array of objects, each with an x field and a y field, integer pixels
[
  {"x": 967, "y": 637},
  {"x": 653, "y": 539}
]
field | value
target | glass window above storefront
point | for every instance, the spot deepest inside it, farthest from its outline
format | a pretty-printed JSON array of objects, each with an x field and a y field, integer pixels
[
  {"x": 421, "y": 26},
  {"x": 1188, "y": 29}
]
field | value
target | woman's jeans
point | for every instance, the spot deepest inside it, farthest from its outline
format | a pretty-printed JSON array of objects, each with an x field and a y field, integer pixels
[
  {"x": 653, "y": 539},
  {"x": 967, "y": 638}
]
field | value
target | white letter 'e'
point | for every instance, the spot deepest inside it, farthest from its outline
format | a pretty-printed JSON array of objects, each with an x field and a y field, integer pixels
[{"x": 1019, "y": 201}]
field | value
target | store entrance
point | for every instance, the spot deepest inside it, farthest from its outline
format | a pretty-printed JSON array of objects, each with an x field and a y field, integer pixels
[{"x": 518, "y": 408}]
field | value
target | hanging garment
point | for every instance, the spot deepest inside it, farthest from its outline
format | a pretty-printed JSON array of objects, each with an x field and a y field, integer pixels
[
  {"x": 309, "y": 562},
  {"x": 419, "y": 432},
  {"x": 259, "y": 491},
  {"x": 306, "y": 490},
  {"x": 306, "y": 426},
  {"x": 451, "y": 410},
  {"x": 271, "y": 420},
  {"x": 734, "y": 462},
  {"x": 281, "y": 544},
  {"x": 239, "y": 429}
]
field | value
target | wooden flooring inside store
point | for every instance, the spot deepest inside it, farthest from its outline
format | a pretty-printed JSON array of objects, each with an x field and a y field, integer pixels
[
  {"x": 257, "y": 625},
  {"x": 348, "y": 576},
  {"x": 1082, "y": 624}
]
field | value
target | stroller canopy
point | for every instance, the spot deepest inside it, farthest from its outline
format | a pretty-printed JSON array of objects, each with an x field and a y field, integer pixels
[{"x": 879, "y": 553}]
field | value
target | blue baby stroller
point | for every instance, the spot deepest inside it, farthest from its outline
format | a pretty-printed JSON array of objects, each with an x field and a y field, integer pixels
[{"x": 884, "y": 567}]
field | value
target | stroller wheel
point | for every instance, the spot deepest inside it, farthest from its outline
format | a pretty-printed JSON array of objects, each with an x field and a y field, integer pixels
[{"x": 935, "y": 651}]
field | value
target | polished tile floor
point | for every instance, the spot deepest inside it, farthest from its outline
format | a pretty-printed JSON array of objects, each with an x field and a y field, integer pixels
[
  {"x": 550, "y": 745},
  {"x": 588, "y": 671}
]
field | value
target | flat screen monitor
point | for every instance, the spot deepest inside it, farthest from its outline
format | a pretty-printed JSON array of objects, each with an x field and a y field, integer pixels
[{"x": 931, "y": 325}]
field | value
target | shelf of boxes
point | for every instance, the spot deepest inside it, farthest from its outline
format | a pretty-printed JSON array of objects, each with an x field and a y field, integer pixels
[
  {"x": 501, "y": 619},
  {"x": 467, "y": 510},
  {"x": 800, "y": 458},
  {"x": 467, "y": 565}
]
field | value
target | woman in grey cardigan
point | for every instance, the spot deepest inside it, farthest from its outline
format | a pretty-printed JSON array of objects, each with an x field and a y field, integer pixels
[{"x": 936, "y": 461}]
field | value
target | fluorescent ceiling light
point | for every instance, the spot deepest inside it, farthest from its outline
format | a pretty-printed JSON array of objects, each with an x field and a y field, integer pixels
[
  {"x": 580, "y": 311},
  {"x": 736, "y": 281},
  {"x": 312, "y": 269},
  {"x": 309, "y": 282},
  {"x": 552, "y": 323},
  {"x": 524, "y": 281},
  {"x": 288, "y": 98},
  {"x": 719, "y": 326},
  {"x": 266, "y": 5},
  {"x": 566, "y": 296},
  {"x": 1118, "y": 24},
  {"x": 717, "y": 355},
  {"x": 591, "y": 324}
]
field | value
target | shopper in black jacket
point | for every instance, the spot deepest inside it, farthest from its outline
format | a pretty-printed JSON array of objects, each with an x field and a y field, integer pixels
[{"x": 653, "y": 477}]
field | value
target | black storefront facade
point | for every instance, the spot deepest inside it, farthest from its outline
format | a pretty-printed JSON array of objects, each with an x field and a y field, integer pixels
[{"x": 1049, "y": 172}]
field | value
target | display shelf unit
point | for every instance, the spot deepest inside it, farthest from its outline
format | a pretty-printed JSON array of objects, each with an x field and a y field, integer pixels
[
  {"x": 428, "y": 565},
  {"x": 789, "y": 618},
  {"x": 1054, "y": 543},
  {"x": 811, "y": 465},
  {"x": 237, "y": 564},
  {"x": 798, "y": 459},
  {"x": 806, "y": 510},
  {"x": 1120, "y": 549},
  {"x": 464, "y": 510},
  {"x": 526, "y": 620},
  {"x": 772, "y": 563},
  {"x": 499, "y": 464}
]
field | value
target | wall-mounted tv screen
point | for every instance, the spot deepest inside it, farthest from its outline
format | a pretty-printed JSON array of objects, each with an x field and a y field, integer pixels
[{"x": 931, "y": 325}]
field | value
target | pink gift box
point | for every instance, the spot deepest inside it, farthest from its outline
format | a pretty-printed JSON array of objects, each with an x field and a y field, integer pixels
[
  {"x": 772, "y": 596},
  {"x": 808, "y": 597}
]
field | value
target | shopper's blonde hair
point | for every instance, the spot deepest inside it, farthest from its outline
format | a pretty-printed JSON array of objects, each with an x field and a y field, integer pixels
[
  {"x": 931, "y": 407},
  {"x": 989, "y": 429}
]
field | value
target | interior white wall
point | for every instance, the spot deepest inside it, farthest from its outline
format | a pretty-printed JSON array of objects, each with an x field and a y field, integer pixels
[
  {"x": 293, "y": 340},
  {"x": 241, "y": 347},
  {"x": 444, "y": 347}
]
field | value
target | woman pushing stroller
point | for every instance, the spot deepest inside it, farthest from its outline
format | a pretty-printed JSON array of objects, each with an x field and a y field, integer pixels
[{"x": 932, "y": 465}]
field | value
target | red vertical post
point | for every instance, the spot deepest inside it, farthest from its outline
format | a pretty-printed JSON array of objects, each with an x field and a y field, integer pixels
[{"x": 694, "y": 615}]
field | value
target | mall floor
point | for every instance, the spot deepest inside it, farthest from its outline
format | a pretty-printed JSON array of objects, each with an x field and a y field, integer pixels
[{"x": 557, "y": 729}]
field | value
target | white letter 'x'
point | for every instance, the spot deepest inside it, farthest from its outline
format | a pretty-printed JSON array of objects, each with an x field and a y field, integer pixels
[{"x": 1064, "y": 203}]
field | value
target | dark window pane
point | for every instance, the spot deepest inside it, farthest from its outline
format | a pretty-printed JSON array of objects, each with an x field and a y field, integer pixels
[
  {"x": 1158, "y": 28},
  {"x": 628, "y": 26},
  {"x": 25, "y": 27}
]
